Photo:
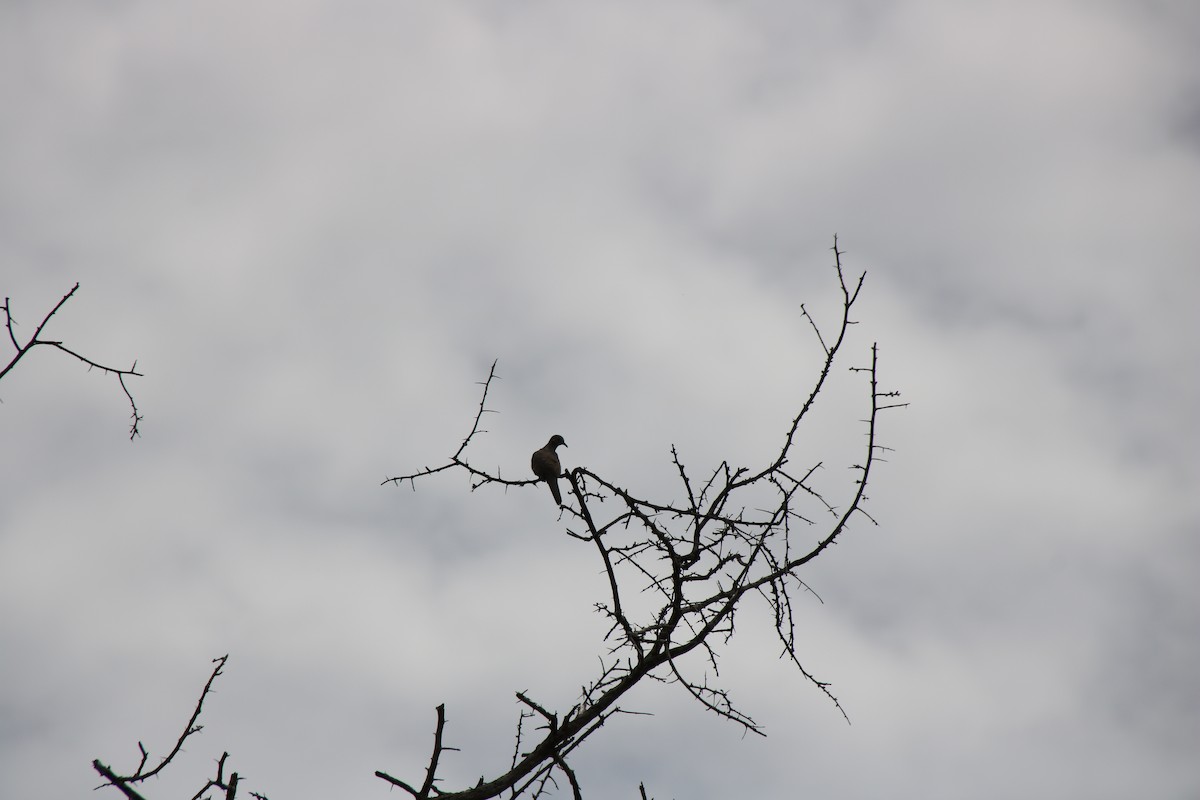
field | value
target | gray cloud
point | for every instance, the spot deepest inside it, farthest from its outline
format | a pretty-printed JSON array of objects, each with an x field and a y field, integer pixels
[{"x": 316, "y": 226}]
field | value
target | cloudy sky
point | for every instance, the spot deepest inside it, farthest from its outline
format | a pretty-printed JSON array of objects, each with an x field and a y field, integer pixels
[{"x": 315, "y": 225}]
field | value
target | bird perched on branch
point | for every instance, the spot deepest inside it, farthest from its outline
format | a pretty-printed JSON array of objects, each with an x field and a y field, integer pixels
[{"x": 546, "y": 465}]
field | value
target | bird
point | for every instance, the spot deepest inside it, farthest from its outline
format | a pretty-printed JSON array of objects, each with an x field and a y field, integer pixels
[{"x": 547, "y": 467}]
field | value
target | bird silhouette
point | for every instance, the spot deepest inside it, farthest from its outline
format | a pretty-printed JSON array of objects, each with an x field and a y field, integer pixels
[{"x": 546, "y": 465}]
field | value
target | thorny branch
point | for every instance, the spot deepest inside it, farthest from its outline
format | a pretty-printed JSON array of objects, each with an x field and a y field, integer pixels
[
  {"x": 700, "y": 557},
  {"x": 227, "y": 785},
  {"x": 458, "y": 460},
  {"x": 35, "y": 340}
]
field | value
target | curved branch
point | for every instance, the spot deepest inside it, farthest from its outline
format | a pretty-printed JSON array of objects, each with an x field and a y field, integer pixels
[
  {"x": 36, "y": 340},
  {"x": 123, "y": 782}
]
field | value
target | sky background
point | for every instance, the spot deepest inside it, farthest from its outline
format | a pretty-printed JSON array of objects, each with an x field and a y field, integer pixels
[{"x": 315, "y": 225}]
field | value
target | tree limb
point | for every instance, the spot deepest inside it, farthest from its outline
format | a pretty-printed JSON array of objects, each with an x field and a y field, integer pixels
[
  {"x": 701, "y": 557},
  {"x": 36, "y": 340}
]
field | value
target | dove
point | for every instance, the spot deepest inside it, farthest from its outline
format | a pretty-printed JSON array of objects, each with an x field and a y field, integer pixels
[{"x": 546, "y": 465}]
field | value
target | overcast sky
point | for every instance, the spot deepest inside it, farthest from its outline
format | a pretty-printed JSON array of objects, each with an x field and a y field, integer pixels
[{"x": 315, "y": 225}]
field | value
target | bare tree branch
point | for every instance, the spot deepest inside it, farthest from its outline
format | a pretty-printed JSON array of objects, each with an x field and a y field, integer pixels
[
  {"x": 123, "y": 782},
  {"x": 36, "y": 340},
  {"x": 741, "y": 532},
  {"x": 431, "y": 772}
]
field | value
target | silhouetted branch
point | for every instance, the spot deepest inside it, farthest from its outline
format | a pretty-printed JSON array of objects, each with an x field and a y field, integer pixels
[
  {"x": 700, "y": 557},
  {"x": 36, "y": 340},
  {"x": 115, "y": 780},
  {"x": 228, "y": 786},
  {"x": 457, "y": 460},
  {"x": 431, "y": 772}
]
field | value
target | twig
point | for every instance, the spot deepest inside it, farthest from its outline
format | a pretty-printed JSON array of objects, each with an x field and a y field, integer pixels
[
  {"x": 122, "y": 782},
  {"x": 36, "y": 340}
]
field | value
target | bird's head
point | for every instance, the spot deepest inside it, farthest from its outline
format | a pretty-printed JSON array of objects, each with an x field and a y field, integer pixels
[{"x": 555, "y": 441}]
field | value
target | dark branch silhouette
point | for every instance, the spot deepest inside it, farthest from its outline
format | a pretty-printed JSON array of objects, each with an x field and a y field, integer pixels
[
  {"x": 36, "y": 340},
  {"x": 124, "y": 783},
  {"x": 700, "y": 556}
]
